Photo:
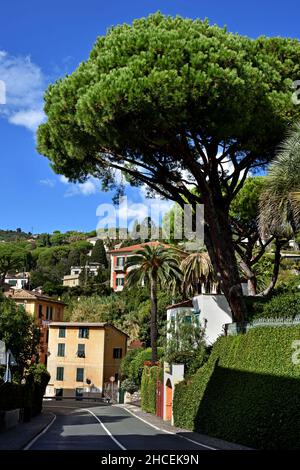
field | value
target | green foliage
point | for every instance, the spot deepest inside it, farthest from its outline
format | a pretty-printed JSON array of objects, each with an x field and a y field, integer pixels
[
  {"x": 29, "y": 395},
  {"x": 98, "y": 254},
  {"x": 137, "y": 364},
  {"x": 186, "y": 341},
  {"x": 125, "y": 367},
  {"x": 161, "y": 75},
  {"x": 12, "y": 257},
  {"x": 148, "y": 388},
  {"x": 14, "y": 235},
  {"x": 245, "y": 206},
  {"x": 129, "y": 386},
  {"x": 18, "y": 331},
  {"x": 247, "y": 392},
  {"x": 283, "y": 305}
]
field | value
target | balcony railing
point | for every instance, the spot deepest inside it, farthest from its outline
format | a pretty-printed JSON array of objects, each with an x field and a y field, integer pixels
[{"x": 120, "y": 268}]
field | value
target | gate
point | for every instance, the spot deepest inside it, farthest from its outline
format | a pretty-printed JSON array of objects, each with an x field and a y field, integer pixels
[{"x": 159, "y": 399}]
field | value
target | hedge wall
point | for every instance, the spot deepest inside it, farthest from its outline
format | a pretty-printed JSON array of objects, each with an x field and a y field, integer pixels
[
  {"x": 28, "y": 396},
  {"x": 248, "y": 392},
  {"x": 135, "y": 365},
  {"x": 148, "y": 388}
]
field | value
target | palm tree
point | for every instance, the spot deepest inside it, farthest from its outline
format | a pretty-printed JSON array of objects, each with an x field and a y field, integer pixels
[
  {"x": 279, "y": 206},
  {"x": 152, "y": 265},
  {"x": 279, "y": 202},
  {"x": 197, "y": 269}
]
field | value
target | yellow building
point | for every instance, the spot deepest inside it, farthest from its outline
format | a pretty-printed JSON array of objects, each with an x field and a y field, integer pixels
[
  {"x": 83, "y": 357},
  {"x": 43, "y": 309}
]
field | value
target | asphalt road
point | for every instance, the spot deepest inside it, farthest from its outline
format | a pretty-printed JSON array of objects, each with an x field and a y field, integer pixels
[{"x": 85, "y": 426}]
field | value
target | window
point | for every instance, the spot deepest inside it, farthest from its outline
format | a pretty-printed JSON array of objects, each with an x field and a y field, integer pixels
[
  {"x": 59, "y": 373},
  {"x": 188, "y": 319},
  {"x": 13, "y": 283},
  {"x": 49, "y": 312},
  {"x": 83, "y": 332},
  {"x": 62, "y": 332},
  {"x": 120, "y": 281},
  {"x": 40, "y": 311},
  {"x": 61, "y": 347},
  {"x": 81, "y": 350},
  {"x": 117, "y": 353},
  {"x": 79, "y": 374},
  {"x": 120, "y": 261}
]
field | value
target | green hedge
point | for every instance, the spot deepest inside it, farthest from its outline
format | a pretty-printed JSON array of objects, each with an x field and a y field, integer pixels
[
  {"x": 28, "y": 396},
  {"x": 248, "y": 392},
  {"x": 136, "y": 365},
  {"x": 148, "y": 388}
]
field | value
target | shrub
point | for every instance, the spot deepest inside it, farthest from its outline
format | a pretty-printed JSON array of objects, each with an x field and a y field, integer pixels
[
  {"x": 148, "y": 388},
  {"x": 11, "y": 396},
  {"x": 125, "y": 367},
  {"x": 137, "y": 363},
  {"x": 248, "y": 391},
  {"x": 129, "y": 386},
  {"x": 283, "y": 305}
]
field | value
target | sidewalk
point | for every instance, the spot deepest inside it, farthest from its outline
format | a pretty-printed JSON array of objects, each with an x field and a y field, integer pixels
[
  {"x": 18, "y": 437},
  {"x": 211, "y": 442}
]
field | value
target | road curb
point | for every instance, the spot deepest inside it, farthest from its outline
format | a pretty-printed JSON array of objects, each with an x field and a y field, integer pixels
[
  {"x": 42, "y": 430},
  {"x": 210, "y": 443}
]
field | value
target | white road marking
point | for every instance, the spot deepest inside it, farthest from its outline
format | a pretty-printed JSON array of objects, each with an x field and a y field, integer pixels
[
  {"x": 27, "y": 447},
  {"x": 105, "y": 428},
  {"x": 167, "y": 432}
]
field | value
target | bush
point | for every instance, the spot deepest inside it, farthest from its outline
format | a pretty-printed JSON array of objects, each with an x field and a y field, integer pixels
[
  {"x": 137, "y": 363},
  {"x": 11, "y": 396},
  {"x": 148, "y": 388},
  {"x": 283, "y": 305},
  {"x": 129, "y": 386},
  {"x": 248, "y": 391},
  {"x": 125, "y": 367}
]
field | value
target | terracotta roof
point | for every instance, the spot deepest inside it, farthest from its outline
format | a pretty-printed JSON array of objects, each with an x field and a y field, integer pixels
[
  {"x": 126, "y": 249},
  {"x": 78, "y": 324},
  {"x": 22, "y": 294},
  {"x": 185, "y": 303}
]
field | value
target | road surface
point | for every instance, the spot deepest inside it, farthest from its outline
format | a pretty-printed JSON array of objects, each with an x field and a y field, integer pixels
[{"x": 93, "y": 426}]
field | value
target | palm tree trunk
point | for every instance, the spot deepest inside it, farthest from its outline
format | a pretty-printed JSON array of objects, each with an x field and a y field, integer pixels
[{"x": 153, "y": 321}]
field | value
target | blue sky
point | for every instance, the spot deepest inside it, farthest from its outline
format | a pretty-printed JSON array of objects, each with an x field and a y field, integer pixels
[{"x": 41, "y": 41}]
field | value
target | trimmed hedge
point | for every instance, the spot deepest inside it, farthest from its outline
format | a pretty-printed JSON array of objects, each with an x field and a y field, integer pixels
[
  {"x": 28, "y": 396},
  {"x": 248, "y": 392},
  {"x": 148, "y": 388}
]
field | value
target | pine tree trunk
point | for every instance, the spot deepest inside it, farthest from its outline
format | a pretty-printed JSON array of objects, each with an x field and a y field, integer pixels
[
  {"x": 269, "y": 289},
  {"x": 219, "y": 243},
  {"x": 153, "y": 321}
]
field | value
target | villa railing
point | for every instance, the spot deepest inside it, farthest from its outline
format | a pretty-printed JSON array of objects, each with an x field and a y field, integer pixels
[{"x": 242, "y": 327}]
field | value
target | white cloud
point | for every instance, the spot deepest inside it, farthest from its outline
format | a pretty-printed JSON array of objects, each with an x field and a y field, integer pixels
[
  {"x": 86, "y": 189},
  {"x": 25, "y": 84},
  {"x": 30, "y": 119},
  {"x": 48, "y": 182}
]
